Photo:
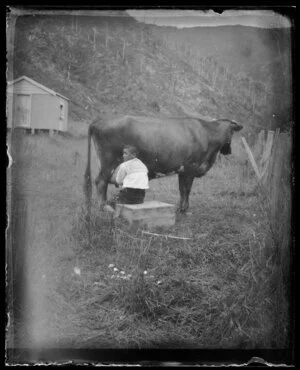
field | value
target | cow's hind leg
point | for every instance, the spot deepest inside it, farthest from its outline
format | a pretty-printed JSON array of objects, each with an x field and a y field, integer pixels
[
  {"x": 185, "y": 185},
  {"x": 101, "y": 186}
]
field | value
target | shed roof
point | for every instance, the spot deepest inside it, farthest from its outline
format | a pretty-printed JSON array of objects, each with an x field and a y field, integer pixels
[{"x": 52, "y": 92}]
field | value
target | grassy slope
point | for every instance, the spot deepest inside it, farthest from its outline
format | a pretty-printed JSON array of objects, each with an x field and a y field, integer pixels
[
  {"x": 101, "y": 81},
  {"x": 216, "y": 289},
  {"x": 244, "y": 49}
]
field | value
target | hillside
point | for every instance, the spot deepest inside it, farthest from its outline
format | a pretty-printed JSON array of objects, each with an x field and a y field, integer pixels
[
  {"x": 109, "y": 65},
  {"x": 246, "y": 49},
  {"x": 260, "y": 55}
]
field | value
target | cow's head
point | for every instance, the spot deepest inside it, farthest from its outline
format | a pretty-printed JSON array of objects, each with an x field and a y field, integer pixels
[{"x": 233, "y": 127}]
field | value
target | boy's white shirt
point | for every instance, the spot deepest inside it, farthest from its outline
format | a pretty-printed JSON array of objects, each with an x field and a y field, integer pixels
[{"x": 133, "y": 174}]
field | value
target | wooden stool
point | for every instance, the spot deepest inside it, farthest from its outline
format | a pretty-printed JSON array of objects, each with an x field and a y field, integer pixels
[{"x": 150, "y": 214}]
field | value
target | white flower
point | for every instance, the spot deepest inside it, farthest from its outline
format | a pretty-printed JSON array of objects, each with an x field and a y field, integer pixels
[
  {"x": 145, "y": 272},
  {"x": 116, "y": 269},
  {"x": 77, "y": 271},
  {"x": 122, "y": 272},
  {"x": 158, "y": 282},
  {"x": 111, "y": 266},
  {"x": 129, "y": 276}
]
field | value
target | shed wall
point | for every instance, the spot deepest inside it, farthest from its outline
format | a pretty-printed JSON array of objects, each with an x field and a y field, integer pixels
[
  {"x": 44, "y": 112},
  {"x": 64, "y": 119},
  {"x": 18, "y": 110}
]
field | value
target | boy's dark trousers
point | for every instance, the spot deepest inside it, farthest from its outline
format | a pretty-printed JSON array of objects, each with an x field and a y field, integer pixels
[{"x": 128, "y": 196}]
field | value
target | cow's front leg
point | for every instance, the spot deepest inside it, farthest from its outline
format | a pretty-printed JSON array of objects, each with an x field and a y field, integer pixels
[{"x": 185, "y": 185}]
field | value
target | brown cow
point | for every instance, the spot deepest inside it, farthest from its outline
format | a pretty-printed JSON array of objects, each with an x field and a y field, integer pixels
[{"x": 186, "y": 145}]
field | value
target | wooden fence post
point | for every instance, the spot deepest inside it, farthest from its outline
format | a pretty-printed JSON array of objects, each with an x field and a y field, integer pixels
[
  {"x": 251, "y": 158},
  {"x": 269, "y": 156},
  {"x": 266, "y": 155},
  {"x": 258, "y": 148},
  {"x": 277, "y": 182},
  {"x": 263, "y": 163}
]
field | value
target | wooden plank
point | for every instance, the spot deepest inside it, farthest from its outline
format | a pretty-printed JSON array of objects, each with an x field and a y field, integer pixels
[
  {"x": 265, "y": 159},
  {"x": 258, "y": 148},
  {"x": 251, "y": 158},
  {"x": 275, "y": 179},
  {"x": 166, "y": 236},
  {"x": 268, "y": 147},
  {"x": 269, "y": 170}
]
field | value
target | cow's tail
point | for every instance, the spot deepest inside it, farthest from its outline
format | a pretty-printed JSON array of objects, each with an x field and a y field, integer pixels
[{"x": 87, "y": 187}]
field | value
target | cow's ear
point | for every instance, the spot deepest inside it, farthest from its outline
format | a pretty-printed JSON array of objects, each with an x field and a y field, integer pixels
[{"x": 235, "y": 126}]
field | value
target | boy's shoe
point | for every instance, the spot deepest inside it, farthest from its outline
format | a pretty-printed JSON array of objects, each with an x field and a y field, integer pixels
[{"x": 108, "y": 208}]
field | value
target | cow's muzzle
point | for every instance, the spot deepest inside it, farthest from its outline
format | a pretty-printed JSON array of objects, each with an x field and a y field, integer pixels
[{"x": 236, "y": 126}]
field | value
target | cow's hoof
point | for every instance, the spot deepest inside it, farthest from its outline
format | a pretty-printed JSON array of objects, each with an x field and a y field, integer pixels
[{"x": 185, "y": 212}]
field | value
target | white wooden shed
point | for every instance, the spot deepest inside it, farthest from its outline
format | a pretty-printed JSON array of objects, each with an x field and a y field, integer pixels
[{"x": 34, "y": 106}]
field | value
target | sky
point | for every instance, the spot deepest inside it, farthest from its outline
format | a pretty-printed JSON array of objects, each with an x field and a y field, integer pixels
[{"x": 209, "y": 18}]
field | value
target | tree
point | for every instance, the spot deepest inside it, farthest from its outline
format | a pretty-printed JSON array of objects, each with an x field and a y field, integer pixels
[
  {"x": 123, "y": 49},
  {"x": 94, "y": 37},
  {"x": 106, "y": 35},
  {"x": 74, "y": 24}
]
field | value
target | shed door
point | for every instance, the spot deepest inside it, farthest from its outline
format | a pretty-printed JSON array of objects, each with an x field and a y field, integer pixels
[{"x": 22, "y": 110}]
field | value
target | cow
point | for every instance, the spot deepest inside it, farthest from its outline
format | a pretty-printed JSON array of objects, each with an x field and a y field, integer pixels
[{"x": 187, "y": 146}]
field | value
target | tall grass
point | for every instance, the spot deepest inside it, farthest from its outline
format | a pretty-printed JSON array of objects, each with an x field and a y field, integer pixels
[
  {"x": 207, "y": 292},
  {"x": 215, "y": 289}
]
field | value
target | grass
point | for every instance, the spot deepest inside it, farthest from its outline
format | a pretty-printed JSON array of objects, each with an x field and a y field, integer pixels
[{"x": 218, "y": 289}]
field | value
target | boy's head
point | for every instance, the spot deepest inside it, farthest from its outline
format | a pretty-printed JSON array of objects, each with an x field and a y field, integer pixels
[{"x": 129, "y": 152}]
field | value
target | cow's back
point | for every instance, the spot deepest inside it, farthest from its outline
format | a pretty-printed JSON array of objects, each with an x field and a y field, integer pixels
[{"x": 162, "y": 142}]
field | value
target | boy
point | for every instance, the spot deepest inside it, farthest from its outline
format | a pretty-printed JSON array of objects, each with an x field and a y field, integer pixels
[{"x": 132, "y": 175}]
